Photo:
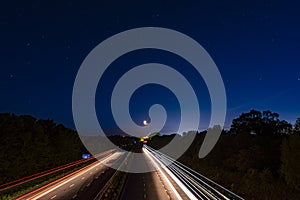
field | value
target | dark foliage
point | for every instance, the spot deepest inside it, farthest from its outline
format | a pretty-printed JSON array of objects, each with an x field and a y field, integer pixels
[
  {"x": 258, "y": 158},
  {"x": 28, "y": 146}
]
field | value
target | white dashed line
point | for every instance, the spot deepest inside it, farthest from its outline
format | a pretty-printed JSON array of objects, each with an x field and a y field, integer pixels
[
  {"x": 53, "y": 197},
  {"x": 71, "y": 185},
  {"x": 78, "y": 174},
  {"x": 165, "y": 177},
  {"x": 82, "y": 178}
]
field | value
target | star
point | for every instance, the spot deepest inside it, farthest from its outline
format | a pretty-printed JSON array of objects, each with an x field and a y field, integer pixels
[
  {"x": 155, "y": 15},
  {"x": 272, "y": 40}
]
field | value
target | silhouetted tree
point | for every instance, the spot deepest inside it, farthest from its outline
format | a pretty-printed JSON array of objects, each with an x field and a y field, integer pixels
[
  {"x": 297, "y": 126},
  {"x": 247, "y": 122},
  {"x": 257, "y": 123}
]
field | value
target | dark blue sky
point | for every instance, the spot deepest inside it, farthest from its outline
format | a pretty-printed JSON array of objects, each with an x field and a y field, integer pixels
[{"x": 255, "y": 45}]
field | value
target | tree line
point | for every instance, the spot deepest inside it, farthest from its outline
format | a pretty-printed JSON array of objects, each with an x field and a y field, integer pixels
[
  {"x": 258, "y": 157},
  {"x": 29, "y": 145}
]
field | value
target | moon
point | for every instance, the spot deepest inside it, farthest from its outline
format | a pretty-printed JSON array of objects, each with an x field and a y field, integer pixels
[{"x": 145, "y": 123}]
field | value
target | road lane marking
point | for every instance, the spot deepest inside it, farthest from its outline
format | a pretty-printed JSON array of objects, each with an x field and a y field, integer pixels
[
  {"x": 82, "y": 178},
  {"x": 71, "y": 185},
  {"x": 190, "y": 195},
  {"x": 53, "y": 197},
  {"x": 41, "y": 194}
]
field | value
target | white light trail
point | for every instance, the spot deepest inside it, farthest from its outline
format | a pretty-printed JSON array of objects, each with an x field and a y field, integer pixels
[
  {"x": 179, "y": 183},
  {"x": 191, "y": 177}
]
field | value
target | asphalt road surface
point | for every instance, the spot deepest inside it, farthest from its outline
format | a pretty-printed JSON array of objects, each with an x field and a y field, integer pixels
[
  {"x": 162, "y": 181},
  {"x": 152, "y": 185},
  {"x": 72, "y": 186}
]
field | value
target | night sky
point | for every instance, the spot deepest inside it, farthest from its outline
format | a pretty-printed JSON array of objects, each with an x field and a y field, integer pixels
[{"x": 255, "y": 45}]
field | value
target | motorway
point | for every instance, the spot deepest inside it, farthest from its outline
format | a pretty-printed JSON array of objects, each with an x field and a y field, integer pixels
[
  {"x": 152, "y": 185},
  {"x": 69, "y": 186},
  {"x": 166, "y": 179}
]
